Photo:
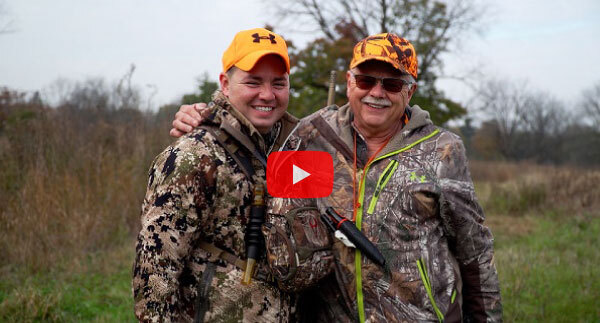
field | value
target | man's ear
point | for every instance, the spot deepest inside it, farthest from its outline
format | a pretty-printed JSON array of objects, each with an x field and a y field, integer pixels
[
  {"x": 348, "y": 82},
  {"x": 224, "y": 81},
  {"x": 412, "y": 91}
]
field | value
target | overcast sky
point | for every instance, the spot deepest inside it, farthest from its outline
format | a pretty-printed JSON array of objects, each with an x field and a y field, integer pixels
[{"x": 554, "y": 45}]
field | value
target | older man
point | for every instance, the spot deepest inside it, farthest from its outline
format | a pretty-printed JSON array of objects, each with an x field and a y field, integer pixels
[
  {"x": 191, "y": 249},
  {"x": 405, "y": 184}
]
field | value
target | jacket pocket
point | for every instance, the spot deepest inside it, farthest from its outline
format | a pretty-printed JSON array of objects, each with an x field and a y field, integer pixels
[
  {"x": 425, "y": 199},
  {"x": 381, "y": 183},
  {"x": 298, "y": 248},
  {"x": 453, "y": 312}
]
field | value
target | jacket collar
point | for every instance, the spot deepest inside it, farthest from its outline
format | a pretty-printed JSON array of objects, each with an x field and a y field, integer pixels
[{"x": 418, "y": 119}]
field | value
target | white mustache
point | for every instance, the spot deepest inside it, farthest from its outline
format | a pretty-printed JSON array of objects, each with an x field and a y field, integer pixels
[{"x": 377, "y": 101}]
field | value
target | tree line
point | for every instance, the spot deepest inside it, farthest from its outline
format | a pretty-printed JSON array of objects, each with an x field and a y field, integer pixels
[{"x": 505, "y": 120}]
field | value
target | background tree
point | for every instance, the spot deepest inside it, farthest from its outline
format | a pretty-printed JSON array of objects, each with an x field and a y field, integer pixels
[
  {"x": 6, "y": 22},
  {"x": 591, "y": 105},
  {"x": 582, "y": 138},
  {"x": 521, "y": 124},
  {"x": 545, "y": 120},
  {"x": 503, "y": 105},
  {"x": 311, "y": 67},
  {"x": 206, "y": 87},
  {"x": 127, "y": 96},
  {"x": 432, "y": 26}
]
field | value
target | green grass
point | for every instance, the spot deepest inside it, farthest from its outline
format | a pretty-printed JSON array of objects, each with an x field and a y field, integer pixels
[
  {"x": 551, "y": 272},
  {"x": 549, "y": 267},
  {"x": 98, "y": 291}
]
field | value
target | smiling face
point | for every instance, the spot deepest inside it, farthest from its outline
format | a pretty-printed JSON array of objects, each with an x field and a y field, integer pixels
[
  {"x": 377, "y": 112},
  {"x": 261, "y": 94}
]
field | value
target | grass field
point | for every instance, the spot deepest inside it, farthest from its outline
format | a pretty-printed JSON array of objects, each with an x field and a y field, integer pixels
[
  {"x": 548, "y": 268},
  {"x": 96, "y": 289},
  {"x": 546, "y": 228}
]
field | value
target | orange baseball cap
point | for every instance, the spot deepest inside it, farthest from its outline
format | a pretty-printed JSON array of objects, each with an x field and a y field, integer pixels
[
  {"x": 248, "y": 46},
  {"x": 387, "y": 48}
]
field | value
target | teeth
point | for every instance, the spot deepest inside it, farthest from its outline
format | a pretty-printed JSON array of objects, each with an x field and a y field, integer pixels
[
  {"x": 265, "y": 109},
  {"x": 376, "y": 106}
]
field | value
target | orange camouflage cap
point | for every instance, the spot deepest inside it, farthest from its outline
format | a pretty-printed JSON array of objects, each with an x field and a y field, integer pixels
[
  {"x": 387, "y": 48},
  {"x": 248, "y": 46}
]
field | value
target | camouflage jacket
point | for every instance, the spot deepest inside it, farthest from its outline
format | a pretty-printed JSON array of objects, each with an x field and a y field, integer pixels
[
  {"x": 197, "y": 192},
  {"x": 416, "y": 203}
]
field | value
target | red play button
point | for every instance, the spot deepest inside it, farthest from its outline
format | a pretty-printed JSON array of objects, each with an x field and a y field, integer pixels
[{"x": 299, "y": 174}]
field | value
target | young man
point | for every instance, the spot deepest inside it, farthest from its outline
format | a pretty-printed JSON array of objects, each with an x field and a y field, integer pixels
[{"x": 200, "y": 190}]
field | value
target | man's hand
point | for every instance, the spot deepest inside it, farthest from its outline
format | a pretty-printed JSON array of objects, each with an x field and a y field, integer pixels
[{"x": 187, "y": 118}]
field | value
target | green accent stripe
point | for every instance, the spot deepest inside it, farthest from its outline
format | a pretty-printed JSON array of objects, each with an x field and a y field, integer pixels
[
  {"x": 381, "y": 182},
  {"x": 359, "y": 293},
  {"x": 427, "y": 283},
  {"x": 433, "y": 133},
  {"x": 453, "y": 297},
  {"x": 357, "y": 255}
]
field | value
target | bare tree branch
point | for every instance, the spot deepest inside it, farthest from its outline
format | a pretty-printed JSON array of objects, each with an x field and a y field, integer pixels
[
  {"x": 384, "y": 19},
  {"x": 6, "y": 23},
  {"x": 591, "y": 104}
]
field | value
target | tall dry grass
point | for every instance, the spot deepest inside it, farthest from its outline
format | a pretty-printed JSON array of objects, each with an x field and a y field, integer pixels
[
  {"x": 72, "y": 180},
  {"x": 520, "y": 188}
]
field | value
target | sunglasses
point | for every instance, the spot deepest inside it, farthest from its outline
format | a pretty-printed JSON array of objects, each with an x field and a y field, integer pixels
[{"x": 390, "y": 84}]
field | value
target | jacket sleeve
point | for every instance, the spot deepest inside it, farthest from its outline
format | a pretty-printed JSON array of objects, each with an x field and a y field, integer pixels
[
  {"x": 470, "y": 240},
  {"x": 170, "y": 223}
]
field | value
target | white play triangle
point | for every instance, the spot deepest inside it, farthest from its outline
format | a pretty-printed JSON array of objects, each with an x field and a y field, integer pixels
[{"x": 298, "y": 174}]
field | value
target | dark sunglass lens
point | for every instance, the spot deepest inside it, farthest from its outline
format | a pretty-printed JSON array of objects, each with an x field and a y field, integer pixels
[
  {"x": 392, "y": 85},
  {"x": 365, "y": 82}
]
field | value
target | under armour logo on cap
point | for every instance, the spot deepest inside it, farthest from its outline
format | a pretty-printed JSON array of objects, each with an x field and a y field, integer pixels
[{"x": 257, "y": 38}]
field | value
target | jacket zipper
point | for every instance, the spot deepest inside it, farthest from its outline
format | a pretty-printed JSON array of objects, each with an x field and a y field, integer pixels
[
  {"x": 381, "y": 182},
  {"x": 427, "y": 284},
  {"x": 361, "y": 198}
]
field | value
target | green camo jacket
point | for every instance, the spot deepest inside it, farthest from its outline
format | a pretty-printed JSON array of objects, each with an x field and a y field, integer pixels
[
  {"x": 418, "y": 206},
  {"x": 197, "y": 192}
]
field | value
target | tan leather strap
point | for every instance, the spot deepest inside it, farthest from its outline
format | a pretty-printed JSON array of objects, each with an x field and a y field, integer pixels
[{"x": 218, "y": 253}]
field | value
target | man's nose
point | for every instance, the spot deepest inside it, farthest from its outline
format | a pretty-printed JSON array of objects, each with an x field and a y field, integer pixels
[
  {"x": 266, "y": 93},
  {"x": 377, "y": 90}
]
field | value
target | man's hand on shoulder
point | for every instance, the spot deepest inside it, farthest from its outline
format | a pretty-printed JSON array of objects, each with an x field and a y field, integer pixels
[{"x": 187, "y": 118}]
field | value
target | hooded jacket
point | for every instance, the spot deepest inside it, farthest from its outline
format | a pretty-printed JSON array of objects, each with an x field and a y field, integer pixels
[
  {"x": 198, "y": 193},
  {"x": 416, "y": 203}
]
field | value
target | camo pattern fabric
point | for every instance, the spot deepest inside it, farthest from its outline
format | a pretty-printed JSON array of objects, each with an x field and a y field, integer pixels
[
  {"x": 295, "y": 239},
  {"x": 197, "y": 192},
  {"x": 419, "y": 208}
]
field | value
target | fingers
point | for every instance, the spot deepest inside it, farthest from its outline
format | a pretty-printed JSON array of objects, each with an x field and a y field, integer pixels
[
  {"x": 187, "y": 118},
  {"x": 202, "y": 110},
  {"x": 181, "y": 126},
  {"x": 175, "y": 133},
  {"x": 191, "y": 111},
  {"x": 199, "y": 106}
]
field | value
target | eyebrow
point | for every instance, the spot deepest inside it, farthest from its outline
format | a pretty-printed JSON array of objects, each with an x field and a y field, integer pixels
[{"x": 258, "y": 78}]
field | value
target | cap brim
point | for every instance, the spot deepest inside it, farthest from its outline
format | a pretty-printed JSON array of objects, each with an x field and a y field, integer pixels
[
  {"x": 248, "y": 62},
  {"x": 381, "y": 59}
]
